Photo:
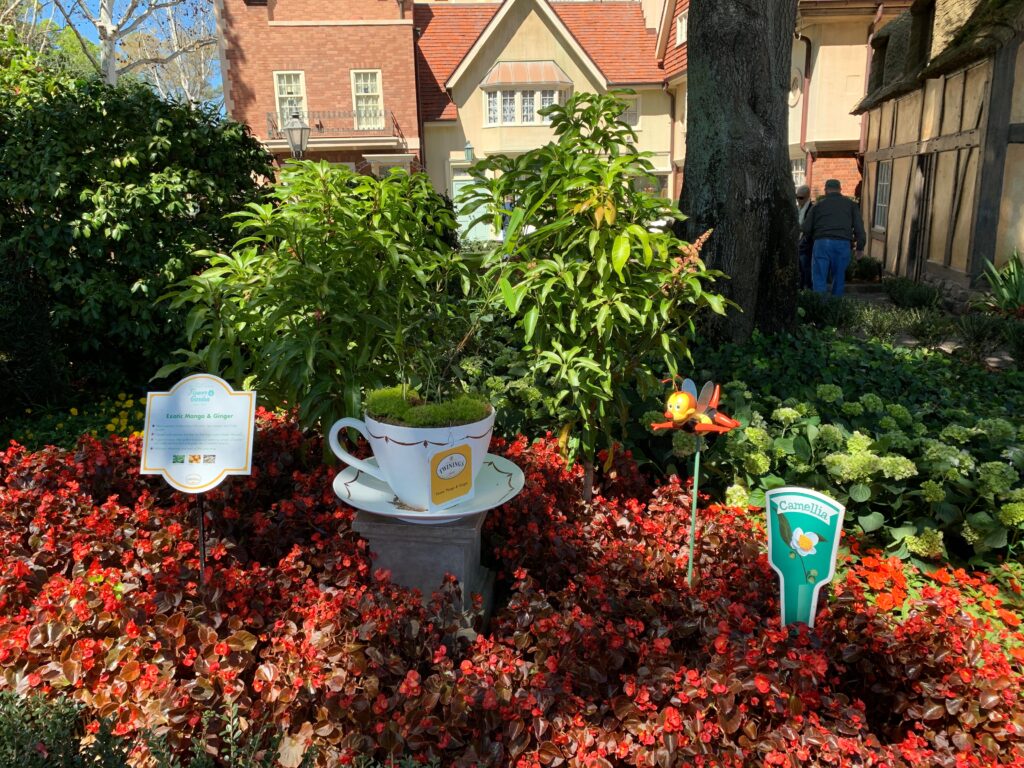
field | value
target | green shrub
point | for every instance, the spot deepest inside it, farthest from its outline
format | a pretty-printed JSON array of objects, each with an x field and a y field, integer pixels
[
  {"x": 403, "y": 406},
  {"x": 1013, "y": 337},
  {"x": 37, "y": 733},
  {"x": 341, "y": 282},
  {"x": 115, "y": 415},
  {"x": 105, "y": 193},
  {"x": 906, "y": 293},
  {"x": 981, "y": 334},
  {"x": 911, "y": 440},
  {"x": 595, "y": 294},
  {"x": 825, "y": 311},
  {"x": 930, "y": 326},
  {"x": 864, "y": 268}
]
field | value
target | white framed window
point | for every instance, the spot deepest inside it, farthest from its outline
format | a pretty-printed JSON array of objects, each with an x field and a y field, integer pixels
[
  {"x": 528, "y": 104},
  {"x": 682, "y": 22},
  {"x": 518, "y": 107},
  {"x": 367, "y": 99},
  {"x": 883, "y": 183},
  {"x": 290, "y": 94},
  {"x": 798, "y": 168},
  {"x": 492, "y": 108},
  {"x": 508, "y": 107},
  {"x": 631, "y": 116},
  {"x": 547, "y": 98}
]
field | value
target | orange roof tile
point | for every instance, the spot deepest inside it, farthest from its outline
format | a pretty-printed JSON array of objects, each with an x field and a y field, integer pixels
[
  {"x": 446, "y": 33},
  {"x": 615, "y": 37}
]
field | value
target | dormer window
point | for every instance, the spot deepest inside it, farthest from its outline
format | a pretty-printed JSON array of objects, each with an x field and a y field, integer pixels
[
  {"x": 516, "y": 91},
  {"x": 682, "y": 21}
]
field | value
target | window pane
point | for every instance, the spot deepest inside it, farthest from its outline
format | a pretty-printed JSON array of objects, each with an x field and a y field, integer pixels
[
  {"x": 799, "y": 170},
  {"x": 547, "y": 98},
  {"x": 529, "y": 110},
  {"x": 508, "y": 107},
  {"x": 631, "y": 116},
  {"x": 682, "y": 22},
  {"x": 366, "y": 82},
  {"x": 492, "y": 108},
  {"x": 883, "y": 185}
]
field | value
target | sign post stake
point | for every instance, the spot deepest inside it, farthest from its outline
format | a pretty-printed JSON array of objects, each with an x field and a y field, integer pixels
[
  {"x": 202, "y": 539},
  {"x": 693, "y": 511},
  {"x": 197, "y": 434}
]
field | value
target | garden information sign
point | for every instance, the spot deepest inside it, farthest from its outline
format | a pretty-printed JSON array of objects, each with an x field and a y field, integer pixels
[
  {"x": 803, "y": 539},
  {"x": 198, "y": 433}
]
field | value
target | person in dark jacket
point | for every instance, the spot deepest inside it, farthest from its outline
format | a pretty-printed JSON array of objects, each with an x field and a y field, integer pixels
[
  {"x": 834, "y": 224},
  {"x": 805, "y": 244}
]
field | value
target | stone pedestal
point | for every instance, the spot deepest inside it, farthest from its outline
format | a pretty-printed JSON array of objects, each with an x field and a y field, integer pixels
[{"x": 419, "y": 556}]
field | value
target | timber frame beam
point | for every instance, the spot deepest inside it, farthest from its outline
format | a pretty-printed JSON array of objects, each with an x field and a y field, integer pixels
[{"x": 962, "y": 140}]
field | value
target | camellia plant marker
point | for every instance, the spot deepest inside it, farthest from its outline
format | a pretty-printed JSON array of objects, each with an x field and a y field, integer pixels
[
  {"x": 803, "y": 539},
  {"x": 687, "y": 410}
]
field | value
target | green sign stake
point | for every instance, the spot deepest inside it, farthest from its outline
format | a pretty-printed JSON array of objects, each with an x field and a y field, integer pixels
[{"x": 803, "y": 539}]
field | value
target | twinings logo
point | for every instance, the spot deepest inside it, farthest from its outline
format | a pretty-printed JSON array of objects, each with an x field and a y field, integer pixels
[{"x": 451, "y": 466}]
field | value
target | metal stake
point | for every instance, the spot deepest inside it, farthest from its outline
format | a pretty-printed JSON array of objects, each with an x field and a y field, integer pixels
[
  {"x": 202, "y": 539},
  {"x": 693, "y": 511}
]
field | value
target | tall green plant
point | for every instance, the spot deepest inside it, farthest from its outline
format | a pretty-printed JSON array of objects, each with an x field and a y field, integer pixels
[
  {"x": 339, "y": 282},
  {"x": 597, "y": 291},
  {"x": 1006, "y": 286}
]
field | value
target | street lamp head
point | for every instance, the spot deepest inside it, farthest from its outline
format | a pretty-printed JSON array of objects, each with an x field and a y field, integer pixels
[{"x": 296, "y": 130}]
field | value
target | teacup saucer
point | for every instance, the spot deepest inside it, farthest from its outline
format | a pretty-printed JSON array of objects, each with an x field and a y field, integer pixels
[{"x": 499, "y": 480}]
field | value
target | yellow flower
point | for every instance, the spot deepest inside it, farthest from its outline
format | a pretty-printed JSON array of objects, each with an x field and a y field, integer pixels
[
  {"x": 74, "y": 411},
  {"x": 139, "y": 415},
  {"x": 111, "y": 427},
  {"x": 28, "y": 410},
  {"x": 129, "y": 403},
  {"x": 121, "y": 395}
]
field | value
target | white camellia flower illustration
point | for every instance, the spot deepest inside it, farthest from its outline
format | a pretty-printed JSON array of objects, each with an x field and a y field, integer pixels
[{"x": 804, "y": 543}]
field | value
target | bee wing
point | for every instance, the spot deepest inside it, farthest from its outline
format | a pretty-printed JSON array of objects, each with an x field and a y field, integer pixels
[
  {"x": 690, "y": 388},
  {"x": 705, "y": 397}
]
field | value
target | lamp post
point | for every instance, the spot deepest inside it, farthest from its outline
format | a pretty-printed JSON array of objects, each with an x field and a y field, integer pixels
[{"x": 296, "y": 130}]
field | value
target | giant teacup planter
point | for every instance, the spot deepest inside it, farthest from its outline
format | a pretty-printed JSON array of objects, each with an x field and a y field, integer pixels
[{"x": 428, "y": 468}]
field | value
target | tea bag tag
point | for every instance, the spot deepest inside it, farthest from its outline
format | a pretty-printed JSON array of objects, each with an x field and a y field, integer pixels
[{"x": 451, "y": 476}]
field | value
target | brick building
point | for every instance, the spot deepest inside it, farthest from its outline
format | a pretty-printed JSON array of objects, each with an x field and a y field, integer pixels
[
  {"x": 436, "y": 85},
  {"x": 345, "y": 68}
]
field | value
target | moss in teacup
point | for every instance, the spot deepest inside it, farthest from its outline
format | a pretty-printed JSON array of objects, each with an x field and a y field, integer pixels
[{"x": 405, "y": 407}]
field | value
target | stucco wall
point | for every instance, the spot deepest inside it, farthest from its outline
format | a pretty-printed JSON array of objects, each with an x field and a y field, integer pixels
[{"x": 837, "y": 81}]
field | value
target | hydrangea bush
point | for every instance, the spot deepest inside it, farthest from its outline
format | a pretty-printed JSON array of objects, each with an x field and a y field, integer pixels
[
  {"x": 600, "y": 655},
  {"x": 921, "y": 449}
]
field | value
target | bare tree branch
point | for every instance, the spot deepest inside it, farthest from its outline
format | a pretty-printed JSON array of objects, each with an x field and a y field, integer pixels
[
  {"x": 157, "y": 60},
  {"x": 81, "y": 40}
]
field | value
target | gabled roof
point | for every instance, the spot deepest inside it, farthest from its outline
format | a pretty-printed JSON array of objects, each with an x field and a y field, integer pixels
[
  {"x": 445, "y": 34},
  {"x": 611, "y": 38},
  {"x": 615, "y": 36},
  {"x": 495, "y": 23}
]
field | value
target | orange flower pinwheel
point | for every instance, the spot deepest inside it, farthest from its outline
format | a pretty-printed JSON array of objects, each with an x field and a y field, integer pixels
[{"x": 685, "y": 409}]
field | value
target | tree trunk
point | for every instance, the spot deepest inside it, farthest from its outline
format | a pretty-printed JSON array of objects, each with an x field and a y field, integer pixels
[
  {"x": 108, "y": 42},
  {"x": 737, "y": 177}
]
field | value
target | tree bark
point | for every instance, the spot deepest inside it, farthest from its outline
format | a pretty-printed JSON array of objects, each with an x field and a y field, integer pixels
[{"x": 737, "y": 177}]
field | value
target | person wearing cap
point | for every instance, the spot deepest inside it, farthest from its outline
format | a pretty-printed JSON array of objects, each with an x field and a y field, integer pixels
[
  {"x": 834, "y": 224},
  {"x": 803, "y": 207}
]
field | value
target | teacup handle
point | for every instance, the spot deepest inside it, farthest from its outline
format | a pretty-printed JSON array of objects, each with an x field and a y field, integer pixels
[{"x": 345, "y": 456}]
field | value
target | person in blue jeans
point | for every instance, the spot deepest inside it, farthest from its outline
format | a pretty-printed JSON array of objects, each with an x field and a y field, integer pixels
[{"x": 835, "y": 225}]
